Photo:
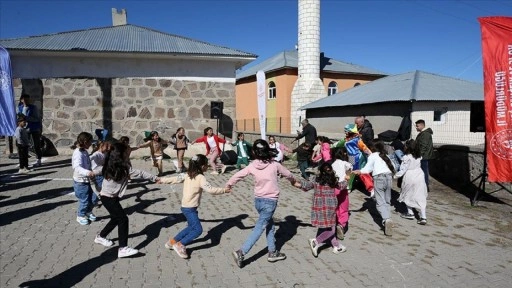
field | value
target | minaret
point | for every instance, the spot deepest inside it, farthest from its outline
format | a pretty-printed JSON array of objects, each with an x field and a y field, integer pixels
[{"x": 309, "y": 86}]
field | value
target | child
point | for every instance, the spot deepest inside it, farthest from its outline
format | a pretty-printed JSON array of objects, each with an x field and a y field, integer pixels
[
  {"x": 381, "y": 168},
  {"x": 414, "y": 189},
  {"x": 279, "y": 147},
  {"x": 316, "y": 156},
  {"x": 343, "y": 169},
  {"x": 325, "y": 149},
  {"x": 194, "y": 185},
  {"x": 266, "y": 191},
  {"x": 213, "y": 151},
  {"x": 23, "y": 143},
  {"x": 97, "y": 160},
  {"x": 303, "y": 155},
  {"x": 82, "y": 173},
  {"x": 156, "y": 146},
  {"x": 116, "y": 172},
  {"x": 242, "y": 150},
  {"x": 180, "y": 142},
  {"x": 323, "y": 211}
]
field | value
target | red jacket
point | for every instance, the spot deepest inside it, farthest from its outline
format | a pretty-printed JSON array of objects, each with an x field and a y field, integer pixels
[{"x": 217, "y": 140}]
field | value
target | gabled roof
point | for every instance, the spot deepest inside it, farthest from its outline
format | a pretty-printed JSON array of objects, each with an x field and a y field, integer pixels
[
  {"x": 290, "y": 59},
  {"x": 125, "y": 39},
  {"x": 411, "y": 86}
]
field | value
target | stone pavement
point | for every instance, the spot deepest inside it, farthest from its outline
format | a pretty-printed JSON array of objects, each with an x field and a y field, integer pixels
[{"x": 43, "y": 246}]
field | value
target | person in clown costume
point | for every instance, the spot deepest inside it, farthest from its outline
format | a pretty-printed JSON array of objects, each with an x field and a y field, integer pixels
[{"x": 357, "y": 152}]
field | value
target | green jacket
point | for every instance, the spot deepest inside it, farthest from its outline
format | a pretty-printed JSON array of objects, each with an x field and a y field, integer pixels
[
  {"x": 247, "y": 147},
  {"x": 424, "y": 141}
]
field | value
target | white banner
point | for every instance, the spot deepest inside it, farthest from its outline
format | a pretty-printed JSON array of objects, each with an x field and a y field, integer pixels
[{"x": 262, "y": 102}]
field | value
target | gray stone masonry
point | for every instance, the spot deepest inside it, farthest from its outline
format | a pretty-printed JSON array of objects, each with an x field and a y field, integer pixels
[{"x": 135, "y": 105}]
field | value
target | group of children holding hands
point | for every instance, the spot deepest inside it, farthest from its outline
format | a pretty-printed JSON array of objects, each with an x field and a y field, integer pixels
[{"x": 109, "y": 171}]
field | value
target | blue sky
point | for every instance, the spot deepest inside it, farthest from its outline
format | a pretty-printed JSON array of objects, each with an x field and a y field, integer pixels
[{"x": 441, "y": 37}]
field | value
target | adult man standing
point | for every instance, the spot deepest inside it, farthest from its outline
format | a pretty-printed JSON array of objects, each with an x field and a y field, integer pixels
[
  {"x": 426, "y": 146},
  {"x": 308, "y": 131},
  {"x": 34, "y": 125},
  {"x": 365, "y": 129}
]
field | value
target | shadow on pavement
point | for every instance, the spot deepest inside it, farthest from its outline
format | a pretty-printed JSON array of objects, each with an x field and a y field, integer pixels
[
  {"x": 152, "y": 231},
  {"x": 10, "y": 186},
  {"x": 215, "y": 233},
  {"x": 75, "y": 274},
  {"x": 39, "y": 196},
  {"x": 288, "y": 229},
  {"x": 13, "y": 216}
]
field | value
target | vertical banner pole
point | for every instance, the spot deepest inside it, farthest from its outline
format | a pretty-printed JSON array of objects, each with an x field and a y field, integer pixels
[{"x": 262, "y": 102}]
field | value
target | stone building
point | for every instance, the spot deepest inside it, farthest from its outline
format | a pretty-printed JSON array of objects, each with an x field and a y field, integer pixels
[{"x": 124, "y": 78}]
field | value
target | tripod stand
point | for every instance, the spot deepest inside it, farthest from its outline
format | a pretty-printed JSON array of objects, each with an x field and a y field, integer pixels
[{"x": 483, "y": 179}]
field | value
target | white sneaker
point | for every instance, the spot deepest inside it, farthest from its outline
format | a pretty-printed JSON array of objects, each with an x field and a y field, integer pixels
[
  {"x": 82, "y": 220},
  {"x": 388, "y": 227},
  {"x": 223, "y": 169},
  {"x": 214, "y": 173},
  {"x": 103, "y": 241},
  {"x": 126, "y": 252},
  {"x": 37, "y": 163},
  {"x": 23, "y": 171},
  {"x": 314, "y": 246},
  {"x": 339, "y": 249}
]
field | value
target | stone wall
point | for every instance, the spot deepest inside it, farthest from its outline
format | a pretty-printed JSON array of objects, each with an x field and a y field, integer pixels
[{"x": 127, "y": 106}]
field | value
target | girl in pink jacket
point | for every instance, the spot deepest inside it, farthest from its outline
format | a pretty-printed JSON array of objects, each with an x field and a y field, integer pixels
[{"x": 265, "y": 172}]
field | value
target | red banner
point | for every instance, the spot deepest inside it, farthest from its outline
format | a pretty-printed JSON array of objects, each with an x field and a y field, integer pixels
[{"x": 497, "y": 64}]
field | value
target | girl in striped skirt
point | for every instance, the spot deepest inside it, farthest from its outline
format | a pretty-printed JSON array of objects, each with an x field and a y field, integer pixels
[{"x": 323, "y": 210}]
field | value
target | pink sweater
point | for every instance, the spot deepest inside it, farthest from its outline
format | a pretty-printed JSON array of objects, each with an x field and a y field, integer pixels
[{"x": 265, "y": 178}]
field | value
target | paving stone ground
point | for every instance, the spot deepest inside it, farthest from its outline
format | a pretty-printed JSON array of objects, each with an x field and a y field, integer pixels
[{"x": 43, "y": 246}]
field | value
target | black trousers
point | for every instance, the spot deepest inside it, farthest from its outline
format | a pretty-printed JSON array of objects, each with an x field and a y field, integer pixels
[
  {"x": 36, "y": 139},
  {"x": 23, "y": 156},
  {"x": 117, "y": 218}
]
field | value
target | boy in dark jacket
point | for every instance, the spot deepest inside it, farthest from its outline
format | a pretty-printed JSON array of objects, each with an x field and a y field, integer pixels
[{"x": 303, "y": 155}]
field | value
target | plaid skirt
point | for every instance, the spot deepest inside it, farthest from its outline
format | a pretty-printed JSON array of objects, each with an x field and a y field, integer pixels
[{"x": 323, "y": 212}]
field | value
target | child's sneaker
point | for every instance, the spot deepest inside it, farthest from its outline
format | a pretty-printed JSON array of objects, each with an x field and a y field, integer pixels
[
  {"x": 90, "y": 216},
  {"x": 239, "y": 258},
  {"x": 180, "y": 249},
  {"x": 388, "y": 227},
  {"x": 339, "y": 249},
  {"x": 214, "y": 173},
  {"x": 223, "y": 169},
  {"x": 275, "y": 256},
  {"x": 103, "y": 241},
  {"x": 82, "y": 220},
  {"x": 169, "y": 244},
  {"x": 126, "y": 252},
  {"x": 407, "y": 216},
  {"x": 340, "y": 232},
  {"x": 314, "y": 246}
]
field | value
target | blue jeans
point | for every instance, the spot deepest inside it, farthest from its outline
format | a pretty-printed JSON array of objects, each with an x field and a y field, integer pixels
[
  {"x": 86, "y": 197},
  {"x": 194, "y": 228},
  {"x": 382, "y": 187},
  {"x": 266, "y": 208},
  {"x": 303, "y": 165}
]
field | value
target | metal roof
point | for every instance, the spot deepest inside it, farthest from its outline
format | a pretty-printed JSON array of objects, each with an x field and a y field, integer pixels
[
  {"x": 289, "y": 59},
  {"x": 411, "y": 86},
  {"x": 124, "y": 38}
]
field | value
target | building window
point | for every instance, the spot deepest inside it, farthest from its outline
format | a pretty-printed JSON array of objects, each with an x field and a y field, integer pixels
[
  {"x": 332, "y": 89},
  {"x": 440, "y": 115},
  {"x": 272, "y": 90}
]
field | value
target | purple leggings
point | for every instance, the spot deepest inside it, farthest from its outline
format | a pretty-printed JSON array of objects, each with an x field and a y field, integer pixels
[{"x": 323, "y": 234}]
